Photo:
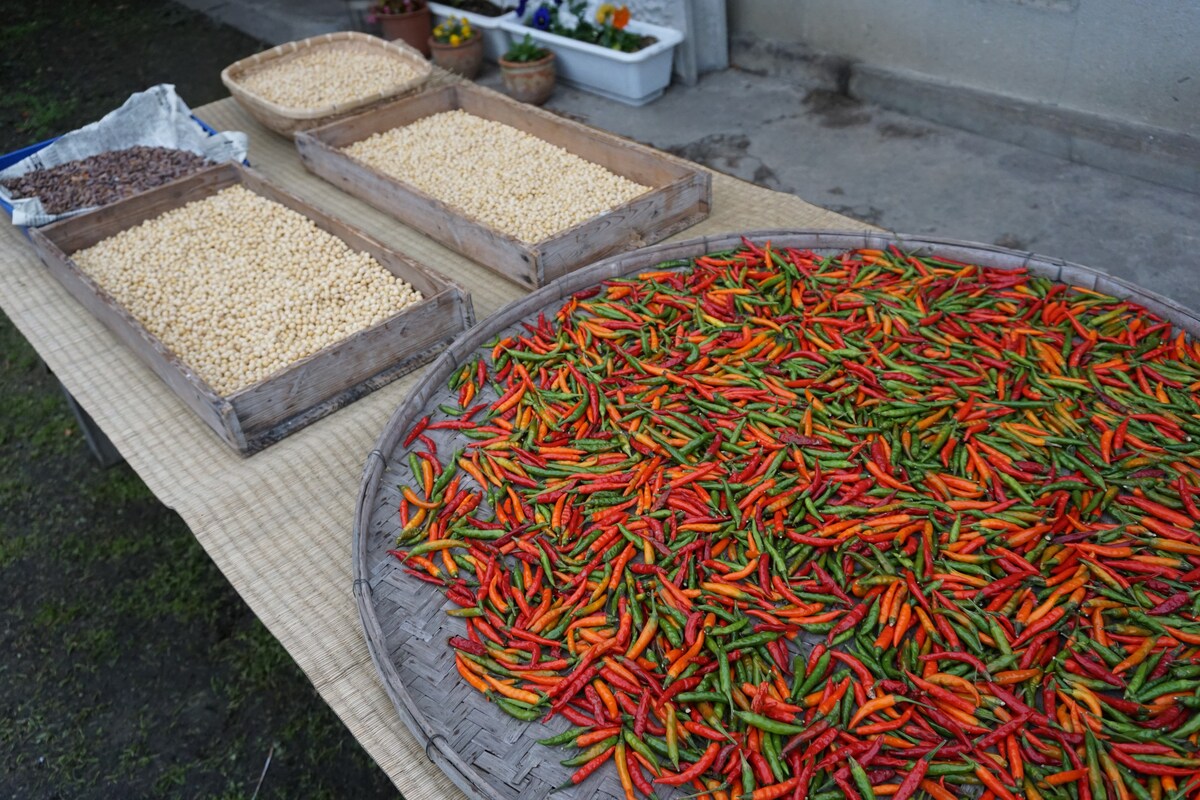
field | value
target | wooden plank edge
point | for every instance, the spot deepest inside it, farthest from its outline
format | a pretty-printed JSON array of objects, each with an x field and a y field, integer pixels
[
  {"x": 532, "y": 265},
  {"x": 693, "y": 201}
]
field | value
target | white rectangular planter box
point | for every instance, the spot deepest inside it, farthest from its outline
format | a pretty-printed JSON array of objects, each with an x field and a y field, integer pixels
[
  {"x": 495, "y": 40},
  {"x": 632, "y": 78}
]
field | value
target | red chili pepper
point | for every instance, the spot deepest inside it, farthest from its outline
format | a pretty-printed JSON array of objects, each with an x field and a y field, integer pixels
[
  {"x": 762, "y": 770},
  {"x": 955, "y": 727},
  {"x": 941, "y": 694},
  {"x": 814, "y": 730},
  {"x": 703, "y": 730},
  {"x": 586, "y": 771},
  {"x": 694, "y": 771},
  {"x": 639, "y": 718},
  {"x": 468, "y": 646},
  {"x": 1158, "y": 510},
  {"x": 1001, "y": 733},
  {"x": 422, "y": 423},
  {"x": 883, "y": 727},
  {"x": 912, "y": 781},
  {"x": 635, "y": 773},
  {"x": 852, "y": 618},
  {"x": 597, "y": 706},
  {"x": 1171, "y": 604},
  {"x": 1042, "y": 624},
  {"x": 819, "y": 744},
  {"x": 566, "y": 690},
  {"x": 576, "y": 717},
  {"x": 679, "y": 686},
  {"x": 857, "y": 666},
  {"x": 842, "y": 779},
  {"x": 1150, "y": 769}
]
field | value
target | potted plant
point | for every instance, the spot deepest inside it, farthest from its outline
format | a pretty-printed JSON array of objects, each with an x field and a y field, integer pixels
[
  {"x": 527, "y": 70},
  {"x": 406, "y": 20},
  {"x": 484, "y": 16},
  {"x": 607, "y": 53},
  {"x": 457, "y": 47}
]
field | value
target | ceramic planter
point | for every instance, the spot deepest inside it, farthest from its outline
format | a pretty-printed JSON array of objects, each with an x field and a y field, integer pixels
[
  {"x": 412, "y": 27},
  {"x": 495, "y": 39},
  {"x": 632, "y": 78},
  {"x": 464, "y": 58},
  {"x": 529, "y": 81}
]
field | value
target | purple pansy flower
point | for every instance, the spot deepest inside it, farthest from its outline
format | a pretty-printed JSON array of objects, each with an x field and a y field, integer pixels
[{"x": 541, "y": 19}]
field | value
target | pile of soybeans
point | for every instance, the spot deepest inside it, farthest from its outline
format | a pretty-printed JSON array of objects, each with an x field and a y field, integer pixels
[
  {"x": 239, "y": 286},
  {"x": 326, "y": 76},
  {"x": 507, "y": 179}
]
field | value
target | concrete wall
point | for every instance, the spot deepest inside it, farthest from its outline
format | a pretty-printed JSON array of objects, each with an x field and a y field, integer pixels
[{"x": 1136, "y": 61}]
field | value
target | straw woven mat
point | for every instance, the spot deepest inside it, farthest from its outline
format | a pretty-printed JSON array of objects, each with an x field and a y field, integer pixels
[{"x": 278, "y": 524}]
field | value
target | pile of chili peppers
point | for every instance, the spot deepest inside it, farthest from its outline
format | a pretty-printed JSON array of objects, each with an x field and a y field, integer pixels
[{"x": 769, "y": 524}]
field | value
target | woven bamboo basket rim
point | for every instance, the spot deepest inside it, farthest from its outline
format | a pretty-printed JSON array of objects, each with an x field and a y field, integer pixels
[
  {"x": 287, "y": 115},
  {"x": 435, "y": 721}
]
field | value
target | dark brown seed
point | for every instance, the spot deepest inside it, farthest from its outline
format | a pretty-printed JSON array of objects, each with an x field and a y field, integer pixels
[{"x": 104, "y": 178}]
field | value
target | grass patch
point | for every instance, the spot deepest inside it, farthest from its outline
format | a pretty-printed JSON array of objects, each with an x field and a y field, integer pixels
[
  {"x": 130, "y": 668},
  {"x": 39, "y": 117},
  {"x": 128, "y": 665},
  {"x": 12, "y": 548}
]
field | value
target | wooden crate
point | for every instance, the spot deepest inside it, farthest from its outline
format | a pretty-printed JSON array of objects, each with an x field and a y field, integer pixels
[
  {"x": 265, "y": 412},
  {"x": 679, "y": 196}
]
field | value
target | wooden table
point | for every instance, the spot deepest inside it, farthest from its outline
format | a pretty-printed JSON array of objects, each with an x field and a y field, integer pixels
[{"x": 278, "y": 524}]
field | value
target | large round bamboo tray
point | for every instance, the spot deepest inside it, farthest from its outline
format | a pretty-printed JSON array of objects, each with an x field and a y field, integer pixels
[
  {"x": 288, "y": 121},
  {"x": 487, "y": 753}
]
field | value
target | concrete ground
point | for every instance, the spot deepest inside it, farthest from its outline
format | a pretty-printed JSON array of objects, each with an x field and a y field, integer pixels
[
  {"x": 879, "y": 166},
  {"x": 912, "y": 176}
]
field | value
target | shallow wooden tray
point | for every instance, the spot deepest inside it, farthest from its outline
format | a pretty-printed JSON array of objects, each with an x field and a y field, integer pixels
[
  {"x": 303, "y": 392},
  {"x": 679, "y": 196},
  {"x": 487, "y": 753}
]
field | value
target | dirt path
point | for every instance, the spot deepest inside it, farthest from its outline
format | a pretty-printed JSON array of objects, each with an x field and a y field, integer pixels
[{"x": 128, "y": 665}]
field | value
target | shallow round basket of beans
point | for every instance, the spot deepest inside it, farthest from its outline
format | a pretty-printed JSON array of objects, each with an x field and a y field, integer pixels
[{"x": 799, "y": 515}]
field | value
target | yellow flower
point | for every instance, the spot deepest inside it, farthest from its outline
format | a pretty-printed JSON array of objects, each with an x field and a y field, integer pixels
[
  {"x": 454, "y": 40},
  {"x": 604, "y": 12}
]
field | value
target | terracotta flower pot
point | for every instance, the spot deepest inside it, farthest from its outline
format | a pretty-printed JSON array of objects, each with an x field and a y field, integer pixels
[
  {"x": 465, "y": 58},
  {"x": 411, "y": 27},
  {"x": 530, "y": 81}
]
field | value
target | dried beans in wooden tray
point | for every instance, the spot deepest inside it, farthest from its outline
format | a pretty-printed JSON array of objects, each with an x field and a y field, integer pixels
[
  {"x": 677, "y": 194},
  {"x": 259, "y": 414}
]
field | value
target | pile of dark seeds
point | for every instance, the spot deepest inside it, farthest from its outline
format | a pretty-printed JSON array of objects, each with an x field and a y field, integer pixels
[{"x": 104, "y": 178}]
